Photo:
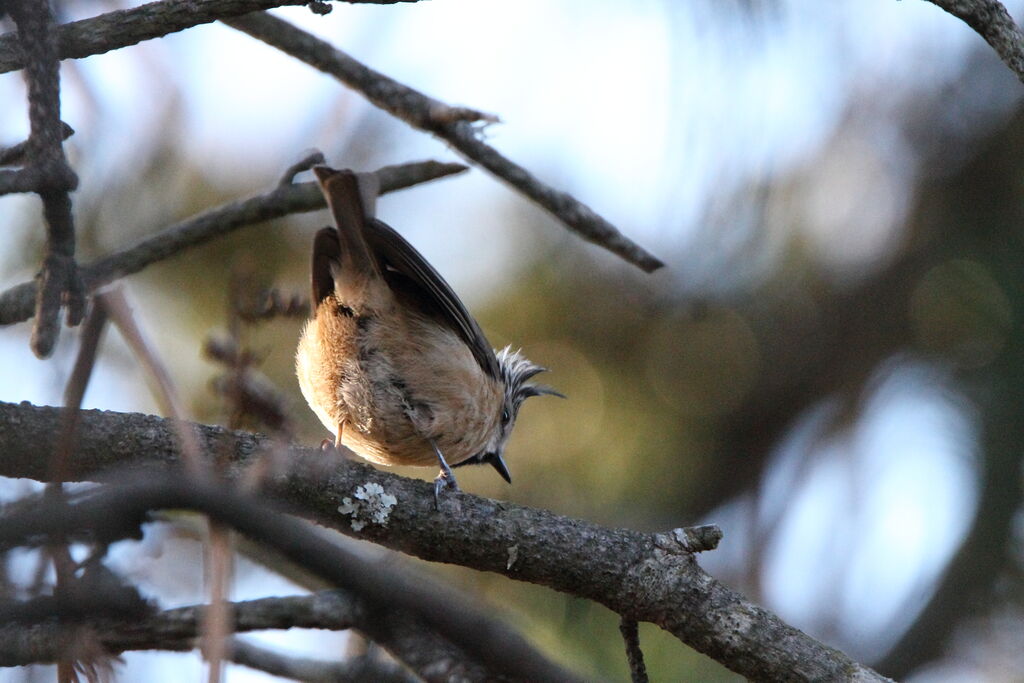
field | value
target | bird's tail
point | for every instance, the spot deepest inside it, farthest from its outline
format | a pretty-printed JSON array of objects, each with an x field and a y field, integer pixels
[{"x": 343, "y": 261}]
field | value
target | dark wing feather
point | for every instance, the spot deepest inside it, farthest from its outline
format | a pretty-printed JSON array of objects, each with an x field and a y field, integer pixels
[
  {"x": 326, "y": 251},
  {"x": 415, "y": 280}
]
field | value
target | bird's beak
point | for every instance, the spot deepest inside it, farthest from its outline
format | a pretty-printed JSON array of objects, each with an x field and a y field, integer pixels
[{"x": 497, "y": 462}]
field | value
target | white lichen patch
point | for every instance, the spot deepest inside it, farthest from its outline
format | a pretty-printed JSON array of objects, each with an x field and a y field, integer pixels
[
  {"x": 513, "y": 555},
  {"x": 371, "y": 506}
]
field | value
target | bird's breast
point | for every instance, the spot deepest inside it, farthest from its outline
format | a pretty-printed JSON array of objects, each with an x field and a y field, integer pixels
[{"x": 397, "y": 384}]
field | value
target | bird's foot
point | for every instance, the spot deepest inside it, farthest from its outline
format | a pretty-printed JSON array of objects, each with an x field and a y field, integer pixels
[{"x": 445, "y": 479}]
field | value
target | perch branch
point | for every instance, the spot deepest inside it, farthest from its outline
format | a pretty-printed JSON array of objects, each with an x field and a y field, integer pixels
[{"x": 645, "y": 577}]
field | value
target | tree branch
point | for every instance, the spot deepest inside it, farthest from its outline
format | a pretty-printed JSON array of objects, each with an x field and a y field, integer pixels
[
  {"x": 454, "y": 125},
  {"x": 15, "y": 154},
  {"x": 47, "y": 173},
  {"x": 111, "y": 512},
  {"x": 16, "y": 302},
  {"x": 123, "y": 28},
  {"x": 645, "y": 577},
  {"x": 363, "y": 669},
  {"x": 434, "y": 658},
  {"x": 993, "y": 23}
]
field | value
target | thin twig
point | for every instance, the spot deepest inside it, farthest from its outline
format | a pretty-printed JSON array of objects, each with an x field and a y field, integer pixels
[
  {"x": 993, "y": 23},
  {"x": 218, "y": 549},
  {"x": 15, "y": 154},
  {"x": 217, "y": 619},
  {"x": 356, "y": 670},
  {"x": 129, "y": 625},
  {"x": 455, "y": 125},
  {"x": 167, "y": 394},
  {"x": 634, "y": 655},
  {"x": 89, "y": 342},
  {"x": 58, "y": 552},
  {"x": 308, "y": 161},
  {"x": 16, "y": 304}
]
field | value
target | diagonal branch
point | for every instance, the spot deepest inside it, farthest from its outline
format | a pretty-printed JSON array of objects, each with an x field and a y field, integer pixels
[
  {"x": 126, "y": 27},
  {"x": 354, "y": 670},
  {"x": 993, "y": 23},
  {"x": 454, "y": 125},
  {"x": 645, "y": 577},
  {"x": 16, "y": 303}
]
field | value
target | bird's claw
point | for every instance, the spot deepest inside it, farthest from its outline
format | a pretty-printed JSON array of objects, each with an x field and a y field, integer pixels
[{"x": 445, "y": 479}]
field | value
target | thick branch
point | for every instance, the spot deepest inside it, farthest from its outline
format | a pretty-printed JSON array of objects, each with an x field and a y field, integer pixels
[
  {"x": 454, "y": 125},
  {"x": 645, "y": 577},
  {"x": 993, "y": 23},
  {"x": 16, "y": 303},
  {"x": 122, "y": 28}
]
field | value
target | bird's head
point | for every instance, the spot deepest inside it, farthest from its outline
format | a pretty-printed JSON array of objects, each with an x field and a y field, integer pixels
[{"x": 515, "y": 371}]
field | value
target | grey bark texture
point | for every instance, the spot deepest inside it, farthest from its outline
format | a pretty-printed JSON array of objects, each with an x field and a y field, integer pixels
[{"x": 646, "y": 577}]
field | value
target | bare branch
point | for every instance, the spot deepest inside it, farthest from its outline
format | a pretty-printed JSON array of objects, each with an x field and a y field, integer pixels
[
  {"x": 645, "y": 577},
  {"x": 92, "y": 333},
  {"x": 126, "y": 27},
  {"x": 454, "y": 125},
  {"x": 16, "y": 302},
  {"x": 383, "y": 588},
  {"x": 993, "y": 23},
  {"x": 634, "y": 655},
  {"x": 167, "y": 395},
  {"x": 306, "y": 162},
  {"x": 432, "y": 657},
  {"x": 48, "y": 171},
  {"x": 362, "y": 669},
  {"x": 15, "y": 154}
]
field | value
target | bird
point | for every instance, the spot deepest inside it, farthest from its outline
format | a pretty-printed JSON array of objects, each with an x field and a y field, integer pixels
[{"x": 390, "y": 360}]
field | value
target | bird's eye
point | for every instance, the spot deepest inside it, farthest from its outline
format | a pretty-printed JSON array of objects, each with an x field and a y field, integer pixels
[{"x": 505, "y": 416}]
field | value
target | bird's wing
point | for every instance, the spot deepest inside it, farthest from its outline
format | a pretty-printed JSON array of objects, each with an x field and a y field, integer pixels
[
  {"x": 417, "y": 283},
  {"x": 326, "y": 251}
]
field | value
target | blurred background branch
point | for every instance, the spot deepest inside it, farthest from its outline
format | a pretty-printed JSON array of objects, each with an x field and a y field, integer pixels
[{"x": 14, "y": 303}]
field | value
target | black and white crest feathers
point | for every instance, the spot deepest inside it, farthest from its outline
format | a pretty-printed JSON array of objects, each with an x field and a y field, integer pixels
[{"x": 516, "y": 370}]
